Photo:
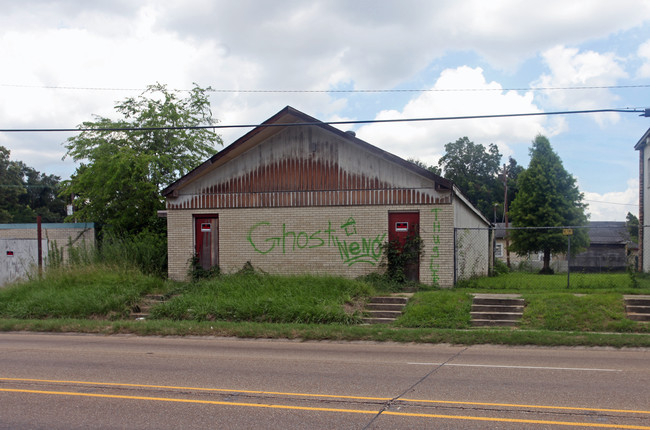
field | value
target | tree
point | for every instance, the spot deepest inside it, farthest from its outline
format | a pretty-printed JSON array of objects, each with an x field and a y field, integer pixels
[
  {"x": 548, "y": 197},
  {"x": 11, "y": 186},
  {"x": 127, "y": 162},
  {"x": 632, "y": 223},
  {"x": 474, "y": 169},
  {"x": 433, "y": 169},
  {"x": 26, "y": 193}
]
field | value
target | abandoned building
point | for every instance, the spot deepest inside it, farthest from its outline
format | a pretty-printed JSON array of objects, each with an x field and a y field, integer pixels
[{"x": 296, "y": 195}]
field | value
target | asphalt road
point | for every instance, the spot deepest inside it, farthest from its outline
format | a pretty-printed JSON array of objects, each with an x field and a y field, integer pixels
[{"x": 50, "y": 381}]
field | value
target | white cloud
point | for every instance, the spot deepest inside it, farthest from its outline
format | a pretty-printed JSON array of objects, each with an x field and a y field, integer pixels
[
  {"x": 644, "y": 55},
  {"x": 426, "y": 140},
  {"x": 614, "y": 206},
  {"x": 571, "y": 68}
]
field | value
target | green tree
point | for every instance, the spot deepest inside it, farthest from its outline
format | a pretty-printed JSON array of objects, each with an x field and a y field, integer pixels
[
  {"x": 474, "y": 169},
  {"x": 548, "y": 197},
  {"x": 433, "y": 169},
  {"x": 26, "y": 193},
  {"x": 11, "y": 186},
  {"x": 125, "y": 163},
  {"x": 632, "y": 223}
]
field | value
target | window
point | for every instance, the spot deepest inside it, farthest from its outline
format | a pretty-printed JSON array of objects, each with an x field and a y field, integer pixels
[{"x": 498, "y": 250}]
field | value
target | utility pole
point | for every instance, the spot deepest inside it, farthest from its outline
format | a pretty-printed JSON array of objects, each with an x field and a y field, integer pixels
[{"x": 505, "y": 212}]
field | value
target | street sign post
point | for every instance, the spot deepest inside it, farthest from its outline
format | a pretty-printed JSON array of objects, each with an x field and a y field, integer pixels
[{"x": 568, "y": 232}]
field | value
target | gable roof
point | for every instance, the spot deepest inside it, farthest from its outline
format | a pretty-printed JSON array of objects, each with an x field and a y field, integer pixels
[
  {"x": 645, "y": 140},
  {"x": 289, "y": 117}
]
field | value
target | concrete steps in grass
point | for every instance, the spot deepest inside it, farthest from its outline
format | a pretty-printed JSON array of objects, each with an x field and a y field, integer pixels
[
  {"x": 497, "y": 310},
  {"x": 385, "y": 309},
  {"x": 637, "y": 307},
  {"x": 140, "y": 311}
]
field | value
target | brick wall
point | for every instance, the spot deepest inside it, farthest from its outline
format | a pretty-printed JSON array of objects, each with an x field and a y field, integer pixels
[{"x": 340, "y": 240}]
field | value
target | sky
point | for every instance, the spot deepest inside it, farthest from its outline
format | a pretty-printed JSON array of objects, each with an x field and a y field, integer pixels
[{"x": 63, "y": 62}]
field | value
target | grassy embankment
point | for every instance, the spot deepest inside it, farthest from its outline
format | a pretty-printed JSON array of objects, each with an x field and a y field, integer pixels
[{"x": 97, "y": 298}]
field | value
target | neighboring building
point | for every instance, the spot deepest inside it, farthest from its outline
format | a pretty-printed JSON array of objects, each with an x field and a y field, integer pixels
[
  {"x": 610, "y": 249},
  {"x": 530, "y": 261},
  {"x": 19, "y": 245},
  {"x": 296, "y": 195},
  {"x": 644, "y": 203}
]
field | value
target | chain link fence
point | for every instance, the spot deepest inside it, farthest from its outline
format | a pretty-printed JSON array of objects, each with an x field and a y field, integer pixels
[
  {"x": 612, "y": 247},
  {"x": 471, "y": 252}
]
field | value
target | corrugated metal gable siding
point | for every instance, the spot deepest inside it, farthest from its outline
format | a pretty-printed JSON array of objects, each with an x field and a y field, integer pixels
[{"x": 307, "y": 166}]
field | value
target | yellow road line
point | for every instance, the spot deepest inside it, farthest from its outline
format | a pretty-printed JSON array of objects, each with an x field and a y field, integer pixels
[
  {"x": 314, "y": 409},
  {"x": 329, "y": 396},
  {"x": 216, "y": 390},
  {"x": 509, "y": 405}
]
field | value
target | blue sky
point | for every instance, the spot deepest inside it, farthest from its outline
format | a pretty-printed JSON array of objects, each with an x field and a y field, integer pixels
[{"x": 485, "y": 49}]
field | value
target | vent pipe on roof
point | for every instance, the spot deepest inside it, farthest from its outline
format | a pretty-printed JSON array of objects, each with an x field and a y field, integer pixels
[{"x": 351, "y": 133}]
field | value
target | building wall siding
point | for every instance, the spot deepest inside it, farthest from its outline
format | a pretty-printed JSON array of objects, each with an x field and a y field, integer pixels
[
  {"x": 307, "y": 166},
  {"x": 340, "y": 240}
]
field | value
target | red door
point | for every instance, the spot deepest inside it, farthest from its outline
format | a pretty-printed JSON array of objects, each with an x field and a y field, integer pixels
[
  {"x": 401, "y": 227},
  {"x": 206, "y": 232}
]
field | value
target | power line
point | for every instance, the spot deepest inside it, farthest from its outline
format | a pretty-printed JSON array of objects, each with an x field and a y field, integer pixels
[
  {"x": 645, "y": 112},
  {"x": 395, "y": 90},
  {"x": 612, "y": 203}
]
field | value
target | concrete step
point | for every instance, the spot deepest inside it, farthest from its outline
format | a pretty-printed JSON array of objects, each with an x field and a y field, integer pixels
[
  {"x": 384, "y": 314},
  {"x": 637, "y": 300},
  {"x": 389, "y": 300},
  {"x": 638, "y": 317},
  {"x": 140, "y": 310},
  {"x": 384, "y": 307},
  {"x": 497, "y": 308},
  {"x": 498, "y": 301},
  {"x": 636, "y": 309},
  {"x": 495, "y": 316}
]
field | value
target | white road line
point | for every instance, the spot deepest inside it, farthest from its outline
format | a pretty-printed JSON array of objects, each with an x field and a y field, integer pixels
[{"x": 584, "y": 369}]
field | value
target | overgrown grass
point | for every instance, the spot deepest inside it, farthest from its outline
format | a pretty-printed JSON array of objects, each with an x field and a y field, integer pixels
[
  {"x": 439, "y": 309},
  {"x": 92, "y": 291},
  {"x": 600, "y": 312},
  {"x": 268, "y": 298},
  {"x": 578, "y": 283}
]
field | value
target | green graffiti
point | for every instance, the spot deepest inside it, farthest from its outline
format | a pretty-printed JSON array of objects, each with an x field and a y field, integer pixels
[
  {"x": 264, "y": 239},
  {"x": 434, "y": 264}
]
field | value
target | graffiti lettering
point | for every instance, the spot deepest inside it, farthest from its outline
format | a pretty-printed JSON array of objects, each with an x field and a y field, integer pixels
[
  {"x": 352, "y": 250},
  {"x": 434, "y": 264}
]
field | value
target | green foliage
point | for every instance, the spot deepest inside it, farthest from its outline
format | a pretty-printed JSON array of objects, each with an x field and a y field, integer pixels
[
  {"x": 515, "y": 282},
  {"x": 632, "y": 223},
  {"x": 145, "y": 251},
  {"x": 571, "y": 312},
  {"x": 438, "y": 309},
  {"x": 433, "y": 169},
  {"x": 95, "y": 291},
  {"x": 196, "y": 272},
  {"x": 267, "y": 298},
  {"x": 475, "y": 170},
  {"x": 548, "y": 197},
  {"x": 26, "y": 193},
  {"x": 500, "y": 268},
  {"x": 123, "y": 170},
  {"x": 398, "y": 259}
]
